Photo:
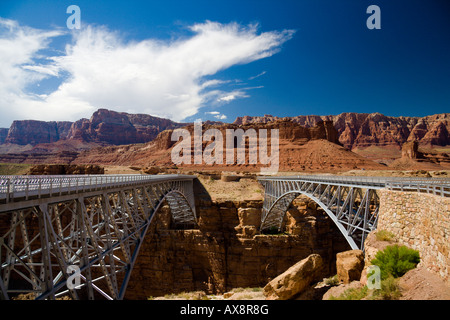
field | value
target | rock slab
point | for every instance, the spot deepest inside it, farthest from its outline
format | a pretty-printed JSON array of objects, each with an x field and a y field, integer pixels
[
  {"x": 295, "y": 280},
  {"x": 349, "y": 265}
]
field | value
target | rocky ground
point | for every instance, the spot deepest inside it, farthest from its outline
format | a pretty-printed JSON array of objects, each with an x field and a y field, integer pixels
[
  {"x": 416, "y": 284},
  {"x": 235, "y": 294}
]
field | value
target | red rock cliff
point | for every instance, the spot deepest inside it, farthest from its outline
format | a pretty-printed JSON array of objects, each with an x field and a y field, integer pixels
[
  {"x": 105, "y": 126},
  {"x": 363, "y": 130},
  {"x": 119, "y": 128},
  {"x": 33, "y": 132}
]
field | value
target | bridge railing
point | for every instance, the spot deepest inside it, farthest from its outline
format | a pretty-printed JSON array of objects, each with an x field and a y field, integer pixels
[
  {"x": 438, "y": 186},
  {"x": 356, "y": 179},
  {"x": 432, "y": 188},
  {"x": 30, "y": 186}
]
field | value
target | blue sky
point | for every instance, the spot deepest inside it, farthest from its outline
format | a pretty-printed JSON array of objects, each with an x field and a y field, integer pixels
[{"x": 189, "y": 60}]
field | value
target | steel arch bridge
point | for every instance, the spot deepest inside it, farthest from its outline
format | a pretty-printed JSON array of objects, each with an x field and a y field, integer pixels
[
  {"x": 80, "y": 235},
  {"x": 351, "y": 202}
]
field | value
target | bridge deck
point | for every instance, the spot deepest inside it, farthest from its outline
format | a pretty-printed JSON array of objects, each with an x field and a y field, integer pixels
[
  {"x": 19, "y": 188},
  {"x": 437, "y": 186}
]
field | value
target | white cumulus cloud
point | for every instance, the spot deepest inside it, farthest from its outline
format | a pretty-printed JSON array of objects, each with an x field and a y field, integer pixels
[
  {"x": 220, "y": 116},
  {"x": 103, "y": 70},
  {"x": 217, "y": 115}
]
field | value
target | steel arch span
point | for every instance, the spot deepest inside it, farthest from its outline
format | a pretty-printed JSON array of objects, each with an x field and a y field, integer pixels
[
  {"x": 351, "y": 202},
  {"x": 352, "y": 207},
  {"x": 82, "y": 242}
]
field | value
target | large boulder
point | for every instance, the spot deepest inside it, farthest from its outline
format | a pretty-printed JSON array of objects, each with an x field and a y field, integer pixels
[
  {"x": 349, "y": 265},
  {"x": 296, "y": 279}
]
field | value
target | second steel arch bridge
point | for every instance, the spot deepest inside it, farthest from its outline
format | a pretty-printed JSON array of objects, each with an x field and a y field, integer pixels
[{"x": 351, "y": 202}]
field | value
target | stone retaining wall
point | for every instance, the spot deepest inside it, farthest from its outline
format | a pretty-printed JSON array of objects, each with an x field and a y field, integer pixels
[{"x": 422, "y": 222}]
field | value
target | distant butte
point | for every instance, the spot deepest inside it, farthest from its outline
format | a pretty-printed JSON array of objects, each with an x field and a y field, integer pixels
[{"x": 307, "y": 143}]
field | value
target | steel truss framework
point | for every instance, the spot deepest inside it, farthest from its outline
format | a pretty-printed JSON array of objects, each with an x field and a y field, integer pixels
[
  {"x": 85, "y": 241},
  {"x": 352, "y": 207},
  {"x": 351, "y": 202}
]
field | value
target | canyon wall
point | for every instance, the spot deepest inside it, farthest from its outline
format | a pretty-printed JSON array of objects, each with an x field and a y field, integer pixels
[
  {"x": 227, "y": 251},
  {"x": 420, "y": 221},
  {"x": 353, "y": 130},
  {"x": 104, "y": 126},
  {"x": 3, "y": 134},
  {"x": 23, "y": 132},
  {"x": 62, "y": 169},
  {"x": 315, "y": 149},
  {"x": 309, "y": 143},
  {"x": 360, "y": 130},
  {"x": 118, "y": 128}
]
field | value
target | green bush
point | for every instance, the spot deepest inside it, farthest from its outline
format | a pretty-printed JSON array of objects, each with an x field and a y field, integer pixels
[
  {"x": 332, "y": 281},
  {"x": 352, "y": 294},
  {"x": 274, "y": 231},
  {"x": 389, "y": 290},
  {"x": 396, "y": 260}
]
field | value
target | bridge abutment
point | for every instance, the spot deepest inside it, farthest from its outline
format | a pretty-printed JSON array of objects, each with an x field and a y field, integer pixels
[{"x": 420, "y": 221}]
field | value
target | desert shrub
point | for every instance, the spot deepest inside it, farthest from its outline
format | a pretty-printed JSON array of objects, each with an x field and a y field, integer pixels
[
  {"x": 389, "y": 290},
  {"x": 332, "y": 281},
  {"x": 383, "y": 235},
  {"x": 396, "y": 260},
  {"x": 352, "y": 294},
  {"x": 274, "y": 231}
]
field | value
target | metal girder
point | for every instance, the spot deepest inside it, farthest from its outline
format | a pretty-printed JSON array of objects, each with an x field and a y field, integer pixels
[
  {"x": 98, "y": 231},
  {"x": 353, "y": 206}
]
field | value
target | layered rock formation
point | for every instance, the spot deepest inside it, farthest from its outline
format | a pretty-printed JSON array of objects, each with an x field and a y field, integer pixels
[
  {"x": 33, "y": 132},
  {"x": 63, "y": 157},
  {"x": 116, "y": 128},
  {"x": 353, "y": 130},
  {"x": 307, "y": 143},
  {"x": 31, "y": 141},
  {"x": 415, "y": 158},
  {"x": 55, "y": 169},
  {"x": 300, "y": 148},
  {"x": 360, "y": 130},
  {"x": 105, "y": 126},
  {"x": 3, "y": 135},
  {"x": 410, "y": 150}
]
